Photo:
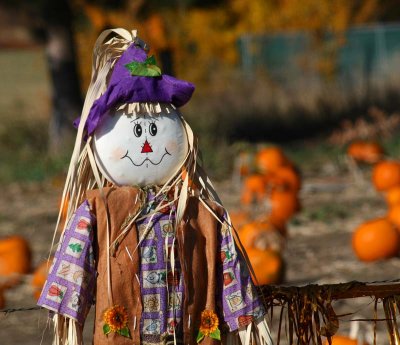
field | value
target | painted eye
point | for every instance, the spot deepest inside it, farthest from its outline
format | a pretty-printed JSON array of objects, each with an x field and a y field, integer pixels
[
  {"x": 137, "y": 130},
  {"x": 153, "y": 129}
]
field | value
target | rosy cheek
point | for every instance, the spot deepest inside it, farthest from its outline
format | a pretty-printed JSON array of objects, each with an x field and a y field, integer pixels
[
  {"x": 117, "y": 153},
  {"x": 171, "y": 146}
]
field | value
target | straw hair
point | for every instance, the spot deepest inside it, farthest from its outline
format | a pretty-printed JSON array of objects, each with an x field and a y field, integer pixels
[{"x": 80, "y": 176}]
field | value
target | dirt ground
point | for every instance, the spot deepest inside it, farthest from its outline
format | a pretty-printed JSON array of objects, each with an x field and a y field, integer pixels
[{"x": 318, "y": 250}]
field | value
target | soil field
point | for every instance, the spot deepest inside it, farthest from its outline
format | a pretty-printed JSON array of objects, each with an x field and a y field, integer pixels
[{"x": 318, "y": 250}]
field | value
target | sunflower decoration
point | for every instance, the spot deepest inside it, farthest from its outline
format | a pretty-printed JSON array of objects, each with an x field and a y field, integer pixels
[
  {"x": 208, "y": 326},
  {"x": 116, "y": 320}
]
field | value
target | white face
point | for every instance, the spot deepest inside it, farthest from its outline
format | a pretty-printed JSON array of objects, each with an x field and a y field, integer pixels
[{"x": 140, "y": 150}]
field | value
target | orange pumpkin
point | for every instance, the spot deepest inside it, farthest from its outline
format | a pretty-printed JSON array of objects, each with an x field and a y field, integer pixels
[
  {"x": 254, "y": 189},
  {"x": 393, "y": 196},
  {"x": 191, "y": 184},
  {"x": 284, "y": 204},
  {"x": 261, "y": 235},
  {"x": 269, "y": 159},
  {"x": 386, "y": 175},
  {"x": 343, "y": 340},
  {"x": 394, "y": 216},
  {"x": 267, "y": 265},
  {"x": 15, "y": 258},
  {"x": 64, "y": 208},
  {"x": 365, "y": 151},
  {"x": 279, "y": 224},
  {"x": 39, "y": 277},
  {"x": 284, "y": 178},
  {"x": 376, "y": 239},
  {"x": 238, "y": 218}
]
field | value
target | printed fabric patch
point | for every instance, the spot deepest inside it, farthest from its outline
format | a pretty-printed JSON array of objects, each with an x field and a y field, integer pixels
[{"x": 69, "y": 289}]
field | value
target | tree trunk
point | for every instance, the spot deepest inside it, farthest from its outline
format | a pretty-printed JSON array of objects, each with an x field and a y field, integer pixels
[{"x": 61, "y": 58}]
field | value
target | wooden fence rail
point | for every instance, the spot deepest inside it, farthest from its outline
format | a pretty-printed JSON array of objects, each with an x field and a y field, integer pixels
[{"x": 335, "y": 291}]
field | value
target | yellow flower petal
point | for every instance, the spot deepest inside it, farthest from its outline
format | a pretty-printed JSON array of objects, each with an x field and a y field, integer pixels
[
  {"x": 116, "y": 317},
  {"x": 209, "y": 322}
]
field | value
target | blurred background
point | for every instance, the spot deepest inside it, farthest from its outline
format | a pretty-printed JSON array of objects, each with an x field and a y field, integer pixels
[{"x": 300, "y": 80}]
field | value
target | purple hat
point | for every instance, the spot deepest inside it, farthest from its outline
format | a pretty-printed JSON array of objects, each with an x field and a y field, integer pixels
[{"x": 125, "y": 87}]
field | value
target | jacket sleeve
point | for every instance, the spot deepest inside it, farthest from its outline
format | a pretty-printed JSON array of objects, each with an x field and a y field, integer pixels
[
  {"x": 69, "y": 289},
  {"x": 239, "y": 301}
]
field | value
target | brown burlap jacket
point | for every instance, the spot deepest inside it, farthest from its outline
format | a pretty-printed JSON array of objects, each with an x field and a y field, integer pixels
[{"x": 197, "y": 247}]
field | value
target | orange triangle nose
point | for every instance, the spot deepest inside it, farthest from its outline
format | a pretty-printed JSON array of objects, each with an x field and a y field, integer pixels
[{"x": 146, "y": 147}]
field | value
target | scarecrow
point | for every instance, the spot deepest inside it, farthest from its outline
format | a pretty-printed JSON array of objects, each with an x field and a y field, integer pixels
[{"x": 147, "y": 240}]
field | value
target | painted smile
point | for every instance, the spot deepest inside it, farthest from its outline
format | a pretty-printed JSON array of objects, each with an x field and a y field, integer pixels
[{"x": 166, "y": 153}]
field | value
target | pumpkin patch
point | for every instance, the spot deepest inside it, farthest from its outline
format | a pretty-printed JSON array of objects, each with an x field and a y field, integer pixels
[
  {"x": 378, "y": 239},
  {"x": 269, "y": 195},
  {"x": 275, "y": 184}
]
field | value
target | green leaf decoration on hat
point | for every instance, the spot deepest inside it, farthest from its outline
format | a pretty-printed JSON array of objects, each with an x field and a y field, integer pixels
[{"x": 148, "y": 68}]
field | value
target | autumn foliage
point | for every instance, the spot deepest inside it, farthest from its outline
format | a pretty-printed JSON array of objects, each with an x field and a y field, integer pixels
[{"x": 204, "y": 40}]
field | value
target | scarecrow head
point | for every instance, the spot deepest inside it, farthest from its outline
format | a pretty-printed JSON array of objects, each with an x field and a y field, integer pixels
[
  {"x": 140, "y": 148},
  {"x": 139, "y": 135}
]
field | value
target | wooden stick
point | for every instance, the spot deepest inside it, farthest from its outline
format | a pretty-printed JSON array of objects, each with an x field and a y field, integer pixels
[{"x": 333, "y": 291}]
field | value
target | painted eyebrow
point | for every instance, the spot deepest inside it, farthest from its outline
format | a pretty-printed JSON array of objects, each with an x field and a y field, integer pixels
[{"x": 151, "y": 118}]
